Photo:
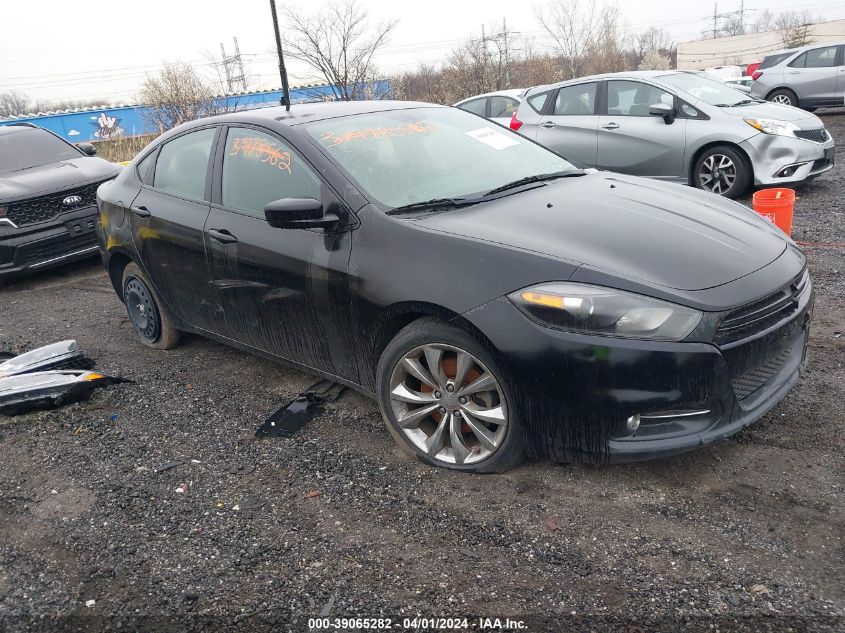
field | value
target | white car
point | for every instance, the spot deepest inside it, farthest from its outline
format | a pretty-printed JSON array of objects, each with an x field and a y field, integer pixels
[
  {"x": 497, "y": 106},
  {"x": 742, "y": 83}
]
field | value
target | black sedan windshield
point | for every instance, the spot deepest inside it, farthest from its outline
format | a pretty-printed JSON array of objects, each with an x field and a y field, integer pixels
[
  {"x": 403, "y": 157},
  {"x": 31, "y": 147}
]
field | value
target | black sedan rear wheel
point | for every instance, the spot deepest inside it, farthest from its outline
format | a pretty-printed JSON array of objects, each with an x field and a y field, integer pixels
[
  {"x": 151, "y": 321},
  {"x": 722, "y": 170},
  {"x": 444, "y": 400}
]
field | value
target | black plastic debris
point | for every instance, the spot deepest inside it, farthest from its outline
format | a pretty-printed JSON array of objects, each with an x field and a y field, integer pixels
[
  {"x": 61, "y": 355},
  {"x": 48, "y": 389},
  {"x": 168, "y": 466},
  {"x": 305, "y": 407}
]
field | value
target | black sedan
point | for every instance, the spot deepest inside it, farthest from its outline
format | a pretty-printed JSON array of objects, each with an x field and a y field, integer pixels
[{"x": 494, "y": 298}]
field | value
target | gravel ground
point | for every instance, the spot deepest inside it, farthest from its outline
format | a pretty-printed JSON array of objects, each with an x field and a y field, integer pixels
[{"x": 746, "y": 534}]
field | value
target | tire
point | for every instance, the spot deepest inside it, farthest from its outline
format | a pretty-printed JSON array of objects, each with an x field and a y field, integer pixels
[
  {"x": 784, "y": 96},
  {"x": 152, "y": 322},
  {"x": 489, "y": 430},
  {"x": 724, "y": 166}
]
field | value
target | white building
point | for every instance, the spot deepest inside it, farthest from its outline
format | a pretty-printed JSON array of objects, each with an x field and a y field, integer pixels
[{"x": 747, "y": 49}]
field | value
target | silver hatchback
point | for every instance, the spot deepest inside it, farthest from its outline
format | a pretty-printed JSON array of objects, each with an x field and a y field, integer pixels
[{"x": 678, "y": 126}]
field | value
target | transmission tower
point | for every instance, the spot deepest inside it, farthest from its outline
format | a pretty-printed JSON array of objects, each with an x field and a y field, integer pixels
[{"x": 233, "y": 68}]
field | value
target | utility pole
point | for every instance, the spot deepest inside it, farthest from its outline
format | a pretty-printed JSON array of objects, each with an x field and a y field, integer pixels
[
  {"x": 503, "y": 46},
  {"x": 285, "y": 100},
  {"x": 715, "y": 20},
  {"x": 507, "y": 72}
]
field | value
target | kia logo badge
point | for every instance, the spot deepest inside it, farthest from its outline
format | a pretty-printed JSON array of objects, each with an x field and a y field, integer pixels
[{"x": 72, "y": 200}]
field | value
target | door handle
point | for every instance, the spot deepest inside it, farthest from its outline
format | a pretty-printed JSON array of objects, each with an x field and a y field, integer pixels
[
  {"x": 794, "y": 72},
  {"x": 548, "y": 124},
  {"x": 222, "y": 235},
  {"x": 141, "y": 211},
  {"x": 611, "y": 126}
]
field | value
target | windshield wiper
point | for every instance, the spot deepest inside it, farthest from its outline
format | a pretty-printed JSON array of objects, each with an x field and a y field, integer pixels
[
  {"x": 738, "y": 103},
  {"x": 532, "y": 179},
  {"x": 436, "y": 203}
]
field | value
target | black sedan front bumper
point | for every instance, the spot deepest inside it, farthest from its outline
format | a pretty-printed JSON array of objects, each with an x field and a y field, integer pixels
[
  {"x": 34, "y": 247},
  {"x": 575, "y": 393}
]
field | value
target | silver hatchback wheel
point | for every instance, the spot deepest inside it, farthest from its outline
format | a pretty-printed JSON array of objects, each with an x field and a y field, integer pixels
[
  {"x": 782, "y": 99},
  {"x": 448, "y": 404},
  {"x": 717, "y": 173}
]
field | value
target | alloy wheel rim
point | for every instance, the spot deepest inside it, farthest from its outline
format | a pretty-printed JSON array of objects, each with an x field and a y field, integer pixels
[
  {"x": 142, "y": 310},
  {"x": 717, "y": 173},
  {"x": 448, "y": 404},
  {"x": 783, "y": 99}
]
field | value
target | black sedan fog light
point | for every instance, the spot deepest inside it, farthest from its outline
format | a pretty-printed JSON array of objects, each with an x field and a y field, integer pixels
[{"x": 633, "y": 423}]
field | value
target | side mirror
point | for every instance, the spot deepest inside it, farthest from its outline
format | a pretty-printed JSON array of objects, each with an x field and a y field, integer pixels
[
  {"x": 664, "y": 110},
  {"x": 298, "y": 213},
  {"x": 87, "y": 148}
]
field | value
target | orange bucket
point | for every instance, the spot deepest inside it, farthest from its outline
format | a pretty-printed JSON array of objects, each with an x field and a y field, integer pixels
[{"x": 776, "y": 205}]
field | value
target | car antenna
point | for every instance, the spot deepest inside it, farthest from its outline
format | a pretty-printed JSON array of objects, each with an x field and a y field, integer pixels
[{"x": 285, "y": 100}]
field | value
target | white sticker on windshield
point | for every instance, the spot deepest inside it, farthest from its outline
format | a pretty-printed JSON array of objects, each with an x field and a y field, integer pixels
[{"x": 491, "y": 137}]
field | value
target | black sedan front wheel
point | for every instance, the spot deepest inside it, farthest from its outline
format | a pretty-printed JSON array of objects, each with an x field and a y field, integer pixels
[
  {"x": 150, "y": 320},
  {"x": 444, "y": 399},
  {"x": 722, "y": 170}
]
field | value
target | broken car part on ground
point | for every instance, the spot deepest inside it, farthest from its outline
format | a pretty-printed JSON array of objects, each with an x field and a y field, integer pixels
[
  {"x": 299, "y": 411},
  {"x": 49, "y": 376},
  {"x": 493, "y": 297}
]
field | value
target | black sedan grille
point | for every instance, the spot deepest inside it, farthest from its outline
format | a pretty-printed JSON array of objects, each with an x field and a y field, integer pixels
[
  {"x": 749, "y": 382},
  {"x": 761, "y": 315},
  {"x": 817, "y": 136},
  {"x": 46, "y": 208}
]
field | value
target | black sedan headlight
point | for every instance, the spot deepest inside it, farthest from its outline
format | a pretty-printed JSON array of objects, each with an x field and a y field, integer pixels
[{"x": 597, "y": 310}]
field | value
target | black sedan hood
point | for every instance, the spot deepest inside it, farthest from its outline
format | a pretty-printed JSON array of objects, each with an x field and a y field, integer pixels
[
  {"x": 45, "y": 179},
  {"x": 664, "y": 234}
]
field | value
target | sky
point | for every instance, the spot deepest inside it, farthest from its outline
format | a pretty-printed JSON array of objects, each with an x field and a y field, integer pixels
[{"x": 105, "y": 48}]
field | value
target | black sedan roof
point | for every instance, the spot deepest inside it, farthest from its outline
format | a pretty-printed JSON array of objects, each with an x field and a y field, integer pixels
[{"x": 310, "y": 112}]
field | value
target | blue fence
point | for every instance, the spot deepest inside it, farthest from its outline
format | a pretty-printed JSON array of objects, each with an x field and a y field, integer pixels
[{"x": 101, "y": 124}]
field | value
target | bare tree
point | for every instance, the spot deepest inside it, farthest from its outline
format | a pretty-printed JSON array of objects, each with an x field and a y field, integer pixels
[
  {"x": 586, "y": 33},
  {"x": 177, "y": 95},
  {"x": 13, "y": 103},
  {"x": 606, "y": 53},
  {"x": 765, "y": 22},
  {"x": 653, "y": 39},
  {"x": 795, "y": 28},
  {"x": 339, "y": 42},
  {"x": 734, "y": 25}
]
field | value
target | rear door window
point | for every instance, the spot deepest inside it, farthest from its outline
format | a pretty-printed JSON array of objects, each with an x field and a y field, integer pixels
[
  {"x": 538, "y": 102},
  {"x": 773, "y": 60},
  {"x": 146, "y": 168},
  {"x": 502, "y": 106},
  {"x": 579, "y": 99},
  {"x": 182, "y": 164},
  {"x": 476, "y": 106},
  {"x": 259, "y": 168},
  {"x": 824, "y": 57}
]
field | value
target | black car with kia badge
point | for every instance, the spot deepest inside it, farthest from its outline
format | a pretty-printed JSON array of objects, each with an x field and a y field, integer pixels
[
  {"x": 497, "y": 300},
  {"x": 48, "y": 189}
]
